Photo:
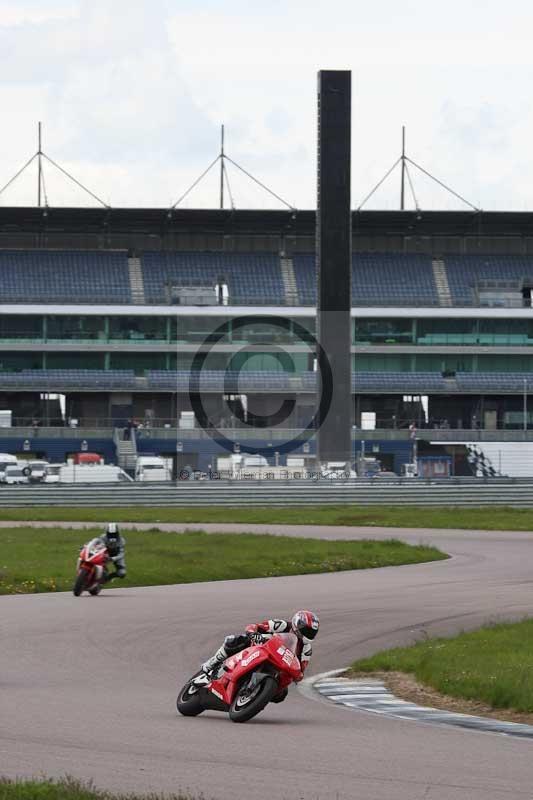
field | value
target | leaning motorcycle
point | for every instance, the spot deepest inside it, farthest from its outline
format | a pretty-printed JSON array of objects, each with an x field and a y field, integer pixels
[
  {"x": 91, "y": 568},
  {"x": 246, "y": 682}
]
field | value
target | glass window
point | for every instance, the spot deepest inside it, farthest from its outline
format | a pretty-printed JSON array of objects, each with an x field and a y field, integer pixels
[
  {"x": 505, "y": 332},
  {"x": 444, "y": 363},
  {"x": 14, "y": 362},
  {"x": 138, "y": 329},
  {"x": 382, "y": 363},
  {"x": 200, "y": 328},
  {"x": 505, "y": 363},
  {"x": 446, "y": 331},
  {"x": 308, "y": 324},
  {"x": 382, "y": 331},
  {"x": 197, "y": 329},
  {"x": 75, "y": 328},
  {"x": 139, "y": 362},
  {"x": 21, "y": 326},
  {"x": 75, "y": 360},
  {"x": 255, "y": 331},
  {"x": 269, "y": 362}
]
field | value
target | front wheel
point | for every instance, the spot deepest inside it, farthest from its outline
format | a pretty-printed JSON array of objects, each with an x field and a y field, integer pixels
[
  {"x": 188, "y": 702},
  {"x": 249, "y": 702},
  {"x": 79, "y": 583}
]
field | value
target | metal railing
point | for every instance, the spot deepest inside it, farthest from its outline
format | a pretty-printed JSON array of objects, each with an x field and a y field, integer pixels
[
  {"x": 453, "y": 492},
  {"x": 103, "y": 427},
  {"x": 307, "y": 298}
]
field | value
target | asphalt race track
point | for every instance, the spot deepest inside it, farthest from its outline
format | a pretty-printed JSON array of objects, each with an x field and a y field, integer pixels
[{"x": 88, "y": 686}]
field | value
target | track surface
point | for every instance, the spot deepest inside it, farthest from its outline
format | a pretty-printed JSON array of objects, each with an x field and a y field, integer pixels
[{"x": 87, "y": 687}]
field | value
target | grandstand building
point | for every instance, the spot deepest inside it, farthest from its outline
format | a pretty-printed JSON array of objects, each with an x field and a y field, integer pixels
[{"x": 103, "y": 312}]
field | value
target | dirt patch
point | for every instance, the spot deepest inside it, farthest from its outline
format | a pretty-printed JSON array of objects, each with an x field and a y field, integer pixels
[{"x": 406, "y": 687}]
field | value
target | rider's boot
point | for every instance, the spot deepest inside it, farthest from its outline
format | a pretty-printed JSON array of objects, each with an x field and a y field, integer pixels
[
  {"x": 110, "y": 576},
  {"x": 212, "y": 663}
]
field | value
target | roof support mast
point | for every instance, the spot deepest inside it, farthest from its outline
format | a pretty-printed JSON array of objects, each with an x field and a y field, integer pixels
[
  {"x": 405, "y": 162},
  {"x": 222, "y": 166},
  {"x": 39, "y": 161},
  {"x": 402, "y": 197},
  {"x": 41, "y": 185},
  {"x": 222, "y": 157}
]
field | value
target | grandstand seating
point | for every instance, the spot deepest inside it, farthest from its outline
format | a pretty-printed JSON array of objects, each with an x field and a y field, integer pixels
[
  {"x": 407, "y": 279},
  {"x": 219, "y": 380},
  {"x": 47, "y": 276},
  {"x": 505, "y": 382},
  {"x": 429, "y": 382},
  {"x": 400, "y": 382},
  {"x": 485, "y": 339},
  {"x": 268, "y": 381},
  {"x": 253, "y": 278},
  {"x": 380, "y": 279},
  {"x": 464, "y": 272},
  {"x": 41, "y": 379}
]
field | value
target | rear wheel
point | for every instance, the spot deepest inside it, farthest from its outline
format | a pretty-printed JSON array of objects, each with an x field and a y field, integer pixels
[
  {"x": 96, "y": 589},
  {"x": 188, "y": 702},
  {"x": 79, "y": 583},
  {"x": 250, "y": 702}
]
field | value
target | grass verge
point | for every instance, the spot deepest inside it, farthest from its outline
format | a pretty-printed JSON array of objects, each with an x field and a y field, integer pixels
[
  {"x": 33, "y": 560},
  {"x": 69, "y": 789},
  {"x": 488, "y": 518},
  {"x": 492, "y": 666}
]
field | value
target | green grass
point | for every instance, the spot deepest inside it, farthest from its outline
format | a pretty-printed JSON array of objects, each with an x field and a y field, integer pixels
[
  {"x": 69, "y": 789},
  {"x": 493, "y": 665},
  {"x": 488, "y": 518},
  {"x": 43, "y": 560}
]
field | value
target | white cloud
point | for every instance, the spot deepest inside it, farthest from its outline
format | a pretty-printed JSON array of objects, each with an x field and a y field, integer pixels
[
  {"x": 24, "y": 13},
  {"x": 132, "y": 94}
]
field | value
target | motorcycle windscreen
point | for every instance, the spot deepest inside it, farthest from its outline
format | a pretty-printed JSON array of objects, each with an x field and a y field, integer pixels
[
  {"x": 290, "y": 640},
  {"x": 95, "y": 545}
]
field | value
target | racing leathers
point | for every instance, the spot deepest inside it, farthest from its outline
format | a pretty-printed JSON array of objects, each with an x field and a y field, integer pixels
[
  {"x": 116, "y": 548},
  {"x": 255, "y": 634}
]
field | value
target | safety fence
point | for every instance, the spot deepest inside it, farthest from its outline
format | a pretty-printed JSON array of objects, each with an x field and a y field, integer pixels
[{"x": 452, "y": 492}]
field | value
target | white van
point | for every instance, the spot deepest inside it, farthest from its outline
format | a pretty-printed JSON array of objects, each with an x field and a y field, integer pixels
[
  {"x": 91, "y": 473},
  {"x": 14, "y": 473},
  {"x": 338, "y": 470},
  {"x": 52, "y": 473},
  {"x": 5, "y": 459},
  {"x": 38, "y": 470},
  {"x": 151, "y": 468}
]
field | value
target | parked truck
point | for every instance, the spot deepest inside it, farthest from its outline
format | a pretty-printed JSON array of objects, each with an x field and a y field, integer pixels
[
  {"x": 152, "y": 469},
  {"x": 85, "y": 473}
]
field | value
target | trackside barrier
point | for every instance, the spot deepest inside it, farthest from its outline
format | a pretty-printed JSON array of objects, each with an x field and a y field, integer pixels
[{"x": 498, "y": 492}]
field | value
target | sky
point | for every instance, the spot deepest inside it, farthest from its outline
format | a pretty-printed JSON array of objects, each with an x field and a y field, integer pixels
[{"x": 132, "y": 94}]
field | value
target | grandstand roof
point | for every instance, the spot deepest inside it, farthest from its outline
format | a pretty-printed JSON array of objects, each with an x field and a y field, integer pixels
[{"x": 158, "y": 222}]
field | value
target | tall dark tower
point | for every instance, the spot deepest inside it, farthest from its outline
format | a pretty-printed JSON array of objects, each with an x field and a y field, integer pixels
[{"x": 334, "y": 260}]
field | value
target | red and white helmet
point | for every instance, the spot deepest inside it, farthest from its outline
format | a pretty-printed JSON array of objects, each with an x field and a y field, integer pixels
[{"x": 305, "y": 624}]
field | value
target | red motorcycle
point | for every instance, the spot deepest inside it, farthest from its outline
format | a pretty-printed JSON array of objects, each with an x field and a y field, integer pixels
[
  {"x": 91, "y": 568},
  {"x": 246, "y": 682}
]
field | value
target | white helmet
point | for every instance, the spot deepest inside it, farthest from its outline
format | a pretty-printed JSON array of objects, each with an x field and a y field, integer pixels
[{"x": 112, "y": 533}]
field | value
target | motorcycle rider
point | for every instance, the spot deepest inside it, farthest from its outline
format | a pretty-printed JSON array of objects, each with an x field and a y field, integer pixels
[
  {"x": 304, "y": 624},
  {"x": 116, "y": 547}
]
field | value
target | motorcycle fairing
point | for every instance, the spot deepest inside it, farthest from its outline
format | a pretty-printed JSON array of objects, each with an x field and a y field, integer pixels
[
  {"x": 91, "y": 560},
  {"x": 281, "y": 662}
]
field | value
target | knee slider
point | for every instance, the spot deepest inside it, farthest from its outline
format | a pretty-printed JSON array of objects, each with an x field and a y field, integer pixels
[{"x": 235, "y": 643}]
